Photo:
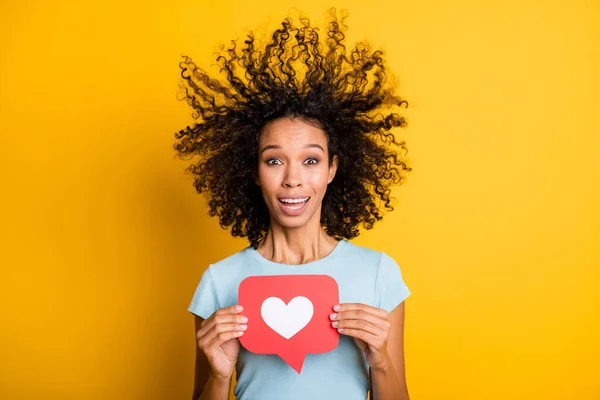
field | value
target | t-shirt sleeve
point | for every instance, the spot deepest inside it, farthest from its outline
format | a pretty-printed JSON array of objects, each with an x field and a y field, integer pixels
[
  {"x": 390, "y": 289},
  {"x": 205, "y": 301}
]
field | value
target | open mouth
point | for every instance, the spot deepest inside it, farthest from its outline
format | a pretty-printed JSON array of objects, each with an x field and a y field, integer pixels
[{"x": 293, "y": 206}]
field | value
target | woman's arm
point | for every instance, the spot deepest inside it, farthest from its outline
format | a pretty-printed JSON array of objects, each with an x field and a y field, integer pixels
[
  {"x": 206, "y": 386},
  {"x": 388, "y": 381},
  {"x": 380, "y": 336}
]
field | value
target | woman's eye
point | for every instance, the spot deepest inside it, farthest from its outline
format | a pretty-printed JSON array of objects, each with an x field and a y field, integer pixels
[{"x": 276, "y": 161}]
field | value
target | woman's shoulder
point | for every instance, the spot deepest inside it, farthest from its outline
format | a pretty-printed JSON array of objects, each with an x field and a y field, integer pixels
[
  {"x": 376, "y": 260},
  {"x": 231, "y": 262},
  {"x": 363, "y": 254}
]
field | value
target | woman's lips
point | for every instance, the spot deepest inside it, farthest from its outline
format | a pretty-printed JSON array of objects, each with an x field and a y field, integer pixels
[{"x": 293, "y": 209}]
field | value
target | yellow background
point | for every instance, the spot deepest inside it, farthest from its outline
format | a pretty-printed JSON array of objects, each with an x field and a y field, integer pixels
[{"x": 497, "y": 229}]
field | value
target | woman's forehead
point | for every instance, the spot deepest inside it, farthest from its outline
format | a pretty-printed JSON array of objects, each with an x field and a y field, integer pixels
[{"x": 290, "y": 133}]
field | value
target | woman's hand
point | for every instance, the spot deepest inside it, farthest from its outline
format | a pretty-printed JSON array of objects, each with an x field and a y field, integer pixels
[
  {"x": 218, "y": 339},
  {"x": 368, "y": 326}
]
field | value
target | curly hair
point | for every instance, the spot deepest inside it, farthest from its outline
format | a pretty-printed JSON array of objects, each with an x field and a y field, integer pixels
[{"x": 295, "y": 74}]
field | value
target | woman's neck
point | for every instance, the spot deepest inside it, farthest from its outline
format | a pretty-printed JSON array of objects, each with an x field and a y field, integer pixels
[{"x": 296, "y": 246}]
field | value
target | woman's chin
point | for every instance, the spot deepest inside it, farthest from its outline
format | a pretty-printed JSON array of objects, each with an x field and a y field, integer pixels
[{"x": 293, "y": 224}]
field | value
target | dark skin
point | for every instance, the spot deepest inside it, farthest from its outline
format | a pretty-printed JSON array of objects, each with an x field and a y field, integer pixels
[
  {"x": 294, "y": 162},
  {"x": 216, "y": 352}
]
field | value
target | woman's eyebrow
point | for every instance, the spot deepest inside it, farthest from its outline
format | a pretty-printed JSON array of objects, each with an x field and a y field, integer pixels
[{"x": 275, "y": 146}]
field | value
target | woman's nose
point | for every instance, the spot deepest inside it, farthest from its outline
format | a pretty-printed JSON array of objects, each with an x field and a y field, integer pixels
[
  {"x": 291, "y": 184},
  {"x": 292, "y": 178}
]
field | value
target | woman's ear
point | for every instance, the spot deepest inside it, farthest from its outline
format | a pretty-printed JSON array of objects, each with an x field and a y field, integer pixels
[
  {"x": 255, "y": 176},
  {"x": 333, "y": 168}
]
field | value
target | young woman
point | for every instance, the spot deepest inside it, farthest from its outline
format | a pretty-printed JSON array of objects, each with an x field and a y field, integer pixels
[{"x": 295, "y": 153}]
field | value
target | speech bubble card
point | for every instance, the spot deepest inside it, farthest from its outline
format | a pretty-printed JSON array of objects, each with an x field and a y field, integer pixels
[{"x": 288, "y": 315}]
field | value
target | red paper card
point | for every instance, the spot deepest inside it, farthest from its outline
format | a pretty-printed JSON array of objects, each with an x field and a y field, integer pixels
[{"x": 288, "y": 315}]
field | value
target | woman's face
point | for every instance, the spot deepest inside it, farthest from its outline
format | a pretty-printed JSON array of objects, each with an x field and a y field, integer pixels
[{"x": 293, "y": 170}]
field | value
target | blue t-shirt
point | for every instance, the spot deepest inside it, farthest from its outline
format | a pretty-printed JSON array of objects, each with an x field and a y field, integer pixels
[{"x": 363, "y": 276}]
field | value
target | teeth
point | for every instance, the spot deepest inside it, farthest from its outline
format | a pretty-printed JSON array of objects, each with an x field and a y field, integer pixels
[{"x": 294, "y": 200}]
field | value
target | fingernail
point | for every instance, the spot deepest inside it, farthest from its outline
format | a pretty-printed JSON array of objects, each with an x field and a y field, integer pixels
[
  {"x": 243, "y": 319},
  {"x": 334, "y": 324},
  {"x": 239, "y": 308},
  {"x": 243, "y": 327},
  {"x": 336, "y": 307},
  {"x": 332, "y": 316},
  {"x": 340, "y": 329},
  {"x": 239, "y": 333}
]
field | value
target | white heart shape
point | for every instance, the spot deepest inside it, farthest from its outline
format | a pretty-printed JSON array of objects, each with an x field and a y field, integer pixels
[{"x": 287, "y": 320}]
